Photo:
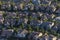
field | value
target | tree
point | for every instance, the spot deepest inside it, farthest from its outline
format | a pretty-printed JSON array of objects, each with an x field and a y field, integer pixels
[
  {"x": 38, "y": 29},
  {"x": 29, "y": 28},
  {"x": 0, "y": 3},
  {"x": 22, "y": 26},
  {"x": 4, "y": 15}
]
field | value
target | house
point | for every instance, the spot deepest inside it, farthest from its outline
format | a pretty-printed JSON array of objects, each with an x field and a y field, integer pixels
[
  {"x": 35, "y": 35},
  {"x": 22, "y": 33},
  {"x": 44, "y": 17},
  {"x": 8, "y": 6},
  {"x": 57, "y": 19},
  {"x": 26, "y": 1},
  {"x": 33, "y": 23},
  {"x": 52, "y": 37},
  {"x": 40, "y": 38},
  {"x": 26, "y": 13},
  {"x": 58, "y": 26},
  {"x": 25, "y": 7},
  {"x": 40, "y": 14},
  {"x": 58, "y": 38},
  {"x": 6, "y": 24},
  {"x": 1, "y": 12},
  {"x": 9, "y": 22},
  {"x": 55, "y": 28},
  {"x": 11, "y": 14},
  {"x": 42, "y": 8},
  {"x": 20, "y": 21},
  {"x": 7, "y": 33},
  {"x": 52, "y": 16},
  {"x": 50, "y": 9},
  {"x": 36, "y": 2},
  {"x": 16, "y": 1},
  {"x": 29, "y": 6},
  {"x": 47, "y": 16},
  {"x": 18, "y": 6},
  {"x": 54, "y": 3},
  {"x": 39, "y": 22},
  {"x": 34, "y": 15},
  {"x": 47, "y": 25},
  {"x": 14, "y": 7},
  {"x": 21, "y": 14},
  {"x": 21, "y": 6},
  {"x": 25, "y": 20},
  {"x": 12, "y": 22},
  {"x": 1, "y": 18},
  {"x": 45, "y": 37},
  {"x": 3, "y": 38},
  {"x": 46, "y": 2},
  {"x": 14, "y": 14},
  {"x": 36, "y": 23},
  {"x": 0, "y": 31},
  {"x": 5, "y": 0},
  {"x": 58, "y": 11},
  {"x": 3, "y": 6},
  {"x": 48, "y": 37}
]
